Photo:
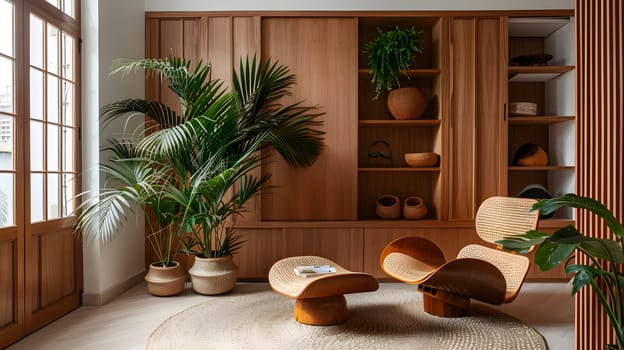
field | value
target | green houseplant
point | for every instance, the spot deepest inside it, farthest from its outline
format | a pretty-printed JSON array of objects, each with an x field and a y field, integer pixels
[
  {"x": 190, "y": 171},
  {"x": 604, "y": 273},
  {"x": 390, "y": 55}
]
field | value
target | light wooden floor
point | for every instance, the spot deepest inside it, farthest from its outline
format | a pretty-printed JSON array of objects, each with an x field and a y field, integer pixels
[{"x": 127, "y": 321}]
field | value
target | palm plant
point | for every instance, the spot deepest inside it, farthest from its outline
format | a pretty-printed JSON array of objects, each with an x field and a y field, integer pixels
[
  {"x": 182, "y": 169},
  {"x": 604, "y": 272}
]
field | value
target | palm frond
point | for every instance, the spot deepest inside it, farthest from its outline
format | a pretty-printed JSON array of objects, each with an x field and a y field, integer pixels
[{"x": 159, "y": 112}]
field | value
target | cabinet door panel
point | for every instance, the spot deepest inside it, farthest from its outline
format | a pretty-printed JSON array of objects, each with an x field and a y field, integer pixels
[
  {"x": 462, "y": 138},
  {"x": 478, "y": 81},
  {"x": 263, "y": 247},
  {"x": 322, "y": 52},
  {"x": 490, "y": 92}
]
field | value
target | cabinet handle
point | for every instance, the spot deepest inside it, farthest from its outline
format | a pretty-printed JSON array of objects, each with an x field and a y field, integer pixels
[{"x": 504, "y": 111}]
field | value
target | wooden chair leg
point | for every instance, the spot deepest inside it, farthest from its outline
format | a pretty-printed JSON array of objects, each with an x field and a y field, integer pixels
[
  {"x": 321, "y": 311},
  {"x": 442, "y": 303}
]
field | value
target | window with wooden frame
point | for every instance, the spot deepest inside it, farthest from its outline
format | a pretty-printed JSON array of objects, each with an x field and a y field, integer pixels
[{"x": 40, "y": 259}]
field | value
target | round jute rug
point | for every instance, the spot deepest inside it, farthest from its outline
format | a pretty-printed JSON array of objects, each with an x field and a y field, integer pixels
[{"x": 253, "y": 317}]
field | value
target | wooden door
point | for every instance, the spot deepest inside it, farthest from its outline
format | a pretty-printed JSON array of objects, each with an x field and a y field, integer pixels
[
  {"x": 323, "y": 53},
  {"x": 477, "y": 121},
  {"x": 40, "y": 258}
]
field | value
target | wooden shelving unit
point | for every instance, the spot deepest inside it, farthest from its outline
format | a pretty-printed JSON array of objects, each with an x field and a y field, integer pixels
[
  {"x": 551, "y": 88},
  {"x": 404, "y": 136}
]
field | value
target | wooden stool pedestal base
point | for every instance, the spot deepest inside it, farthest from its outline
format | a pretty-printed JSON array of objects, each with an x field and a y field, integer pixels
[
  {"x": 444, "y": 304},
  {"x": 323, "y": 311}
]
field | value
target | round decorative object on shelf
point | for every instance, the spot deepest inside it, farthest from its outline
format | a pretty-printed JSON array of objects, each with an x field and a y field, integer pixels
[
  {"x": 407, "y": 103},
  {"x": 523, "y": 108},
  {"x": 388, "y": 207},
  {"x": 530, "y": 154},
  {"x": 425, "y": 159},
  {"x": 536, "y": 191},
  {"x": 414, "y": 208}
]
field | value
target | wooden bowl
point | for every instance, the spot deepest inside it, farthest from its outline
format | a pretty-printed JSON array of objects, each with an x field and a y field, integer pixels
[{"x": 421, "y": 159}]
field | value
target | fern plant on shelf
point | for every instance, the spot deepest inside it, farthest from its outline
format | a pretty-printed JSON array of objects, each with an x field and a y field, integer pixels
[{"x": 391, "y": 55}]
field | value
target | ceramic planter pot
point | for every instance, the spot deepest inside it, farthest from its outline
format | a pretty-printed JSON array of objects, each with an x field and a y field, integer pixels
[
  {"x": 388, "y": 207},
  {"x": 414, "y": 208},
  {"x": 212, "y": 276},
  {"x": 164, "y": 281},
  {"x": 407, "y": 103}
]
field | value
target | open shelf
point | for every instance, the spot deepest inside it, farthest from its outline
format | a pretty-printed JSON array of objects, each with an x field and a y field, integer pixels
[
  {"x": 545, "y": 168},
  {"x": 399, "y": 123},
  {"x": 538, "y": 69},
  {"x": 539, "y": 120},
  {"x": 412, "y": 73},
  {"x": 397, "y": 170}
]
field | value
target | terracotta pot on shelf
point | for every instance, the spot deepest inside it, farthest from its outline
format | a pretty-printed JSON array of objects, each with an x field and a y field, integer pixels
[
  {"x": 164, "y": 281},
  {"x": 407, "y": 103},
  {"x": 212, "y": 276},
  {"x": 388, "y": 207},
  {"x": 414, "y": 208}
]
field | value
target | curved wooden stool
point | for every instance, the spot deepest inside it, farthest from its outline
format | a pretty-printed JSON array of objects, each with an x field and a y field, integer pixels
[
  {"x": 479, "y": 272},
  {"x": 320, "y": 300}
]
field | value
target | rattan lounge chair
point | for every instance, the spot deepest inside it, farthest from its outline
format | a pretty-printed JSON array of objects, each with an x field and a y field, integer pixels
[{"x": 481, "y": 273}]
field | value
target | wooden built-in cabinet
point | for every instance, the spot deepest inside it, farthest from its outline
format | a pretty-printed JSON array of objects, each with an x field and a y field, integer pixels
[{"x": 328, "y": 209}]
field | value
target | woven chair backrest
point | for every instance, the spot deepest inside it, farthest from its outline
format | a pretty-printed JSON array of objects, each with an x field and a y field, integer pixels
[{"x": 498, "y": 217}]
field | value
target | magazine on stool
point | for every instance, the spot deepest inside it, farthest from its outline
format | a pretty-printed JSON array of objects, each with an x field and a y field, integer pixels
[{"x": 313, "y": 271}]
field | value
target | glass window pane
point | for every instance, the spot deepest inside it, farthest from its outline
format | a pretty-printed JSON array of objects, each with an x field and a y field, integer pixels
[
  {"x": 68, "y": 103},
  {"x": 36, "y": 146},
  {"x": 7, "y": 101},
  {"x": 36, "y": 94},
  {"x": 7, "y": 200},
  {"x": 52, "y": 144},
  {"x": 36, "y": 41},
  {"x": 6, "y": 28},
  {"x": 54, "y": 209},
  {"x": 54, "y": 3},
  {"x": 68, "y": 57},
  {"x": 68, "y": 149},
  {"x": 68, "y": 7},
  {"x": 36, "y": 197},
  {"x": 68, "y": 195},
  {"x": 6, "y": 143},
  {"x": 53, "y": 49},
  {"x": 53, "y": 99}
]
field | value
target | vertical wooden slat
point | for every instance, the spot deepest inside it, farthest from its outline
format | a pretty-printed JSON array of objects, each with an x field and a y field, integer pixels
[{"x": 599, "y": 153}]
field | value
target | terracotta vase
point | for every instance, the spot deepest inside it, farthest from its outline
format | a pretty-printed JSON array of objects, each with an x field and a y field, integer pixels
[
  {"x": 414, "y": 208},
  {"x": 388, "y": 207},
  {"x": 212, "y": 276},
  {"x": 407, "y": 103},
  {"x": 164, "y": 281}
]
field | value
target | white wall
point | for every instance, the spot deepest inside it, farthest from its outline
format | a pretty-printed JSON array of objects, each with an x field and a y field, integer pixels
[
  {"x": 111, "y": 29},
  {"x": 364, "y": 5}
]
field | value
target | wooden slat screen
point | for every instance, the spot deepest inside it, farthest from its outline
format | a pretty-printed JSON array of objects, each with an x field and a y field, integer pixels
[{"x": 600, "y": 109}]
